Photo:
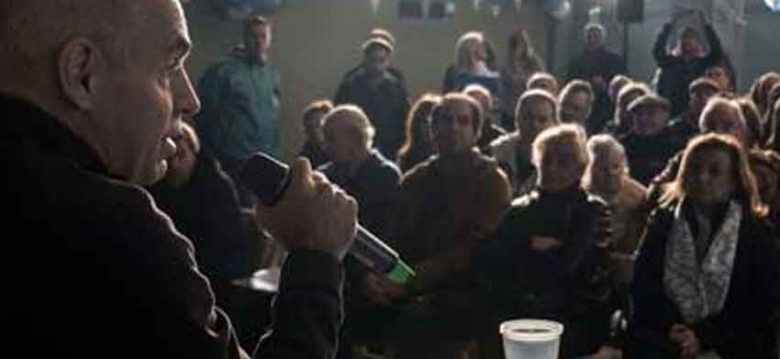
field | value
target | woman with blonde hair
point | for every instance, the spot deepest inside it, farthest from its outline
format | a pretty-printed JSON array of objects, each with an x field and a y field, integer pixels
[{"x": 707, "y": 273}]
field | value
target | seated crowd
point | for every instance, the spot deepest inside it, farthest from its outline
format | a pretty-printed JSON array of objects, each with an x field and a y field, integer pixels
[{"x": 643, "y": 217}]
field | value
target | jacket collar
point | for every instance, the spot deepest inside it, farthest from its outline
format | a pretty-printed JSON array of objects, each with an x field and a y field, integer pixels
[{"x": 25, "y": 122}]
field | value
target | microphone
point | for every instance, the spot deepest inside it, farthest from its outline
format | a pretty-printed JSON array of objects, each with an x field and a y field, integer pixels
[{"x": 269, "y": 179}]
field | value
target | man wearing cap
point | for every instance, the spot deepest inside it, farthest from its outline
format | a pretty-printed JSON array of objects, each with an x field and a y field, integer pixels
[
  {"x": 381, "y": 95},
  {"x": 685, "y": 126},
  {"x": 650, "y": 143},
  {"x": 384, "y": 34},
  {"x": 686, "y": 62}
]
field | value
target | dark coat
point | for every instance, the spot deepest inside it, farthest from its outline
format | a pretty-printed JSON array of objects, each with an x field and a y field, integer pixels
[
  {"x": 676, "y": 73},
  {"x": 206, "y": 209},
  {"x": 95, "y": 270},
  {"x": 647, "y": 156},
  {"x": 386, "y": 104},
  {"x": 743, "y": 329},
  {"x": 601, "y": 63},
  {"x": 570, "y": 284}
]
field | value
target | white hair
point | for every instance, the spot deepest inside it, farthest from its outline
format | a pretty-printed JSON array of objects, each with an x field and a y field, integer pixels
[{"x": 356, "y": 118}]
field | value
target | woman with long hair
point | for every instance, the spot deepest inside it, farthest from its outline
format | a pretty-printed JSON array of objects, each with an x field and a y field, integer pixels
[
  {"x": 706, "y": 276},
  {"x": 522, "y": 62},
  {"x": 418, "y": 145}
]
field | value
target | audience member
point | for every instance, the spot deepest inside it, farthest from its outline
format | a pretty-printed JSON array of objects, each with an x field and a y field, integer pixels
[
  {"x": 490, "y": 130},
  {"x": 362, "y": 172},
  {"x": 549, "y": 256},
  {"x": 706, "y": 272},
  {"x": 576, "y": 103},
  {"x": 722, "y": 72},
  {"x": 418, "y": 145},
  {"x": 686, "y": 126},
  {"x": 686, "y": 62},
  {"x": 522, "y": 63},
  {"x": 385, "y": 35},
  {"x": 752, "y": 121},
  {"x": 240, "y": 95},
  {"x": 544, "y": 81},
  {"x": 379, "y": 93},
  {"x": 650, "y": 144},
  {"x": 618, "y": 83},
  {"x": 608, "y": 178},
  {"x": 760, "y": 89},
  {"x": 535, "y": 113},
  {"x": 90, "y": 120},
  {"x": 475, "y": 63},
  {"x": 597, "y": 66},
  {"x": 623, "y": 121},
  {"x": 202, "y": 202},
  {"x": 765, "y": 165},
  {"x": 314, "y": 145},
  {"x": 771, "y": 125},
  {"x": 448, "y": 206}
]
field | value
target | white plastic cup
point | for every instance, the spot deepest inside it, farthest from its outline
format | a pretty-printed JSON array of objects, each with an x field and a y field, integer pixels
[{"x": 531, "y": 338}]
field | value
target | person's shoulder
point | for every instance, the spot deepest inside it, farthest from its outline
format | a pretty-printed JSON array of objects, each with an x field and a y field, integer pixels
[
  {"x": 505, "y": 143},
  {"x": 419, "y": 172},
  {"x": 381, "y": 164}
]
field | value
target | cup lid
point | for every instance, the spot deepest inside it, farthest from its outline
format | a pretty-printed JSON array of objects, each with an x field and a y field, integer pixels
[{"x": 526, "y": 330}]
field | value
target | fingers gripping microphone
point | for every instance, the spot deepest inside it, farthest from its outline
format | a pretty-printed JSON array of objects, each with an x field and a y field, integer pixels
[{"x": 269, "y": 179}]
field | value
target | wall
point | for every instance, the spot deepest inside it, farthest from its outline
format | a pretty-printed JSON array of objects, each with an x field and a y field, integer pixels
[{"x": 316, "y": 41}]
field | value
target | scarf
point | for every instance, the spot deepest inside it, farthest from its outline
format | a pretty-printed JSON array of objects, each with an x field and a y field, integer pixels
[{"x": 700, "y": 290}]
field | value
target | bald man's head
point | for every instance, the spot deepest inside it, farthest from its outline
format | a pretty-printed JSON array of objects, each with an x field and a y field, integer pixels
[{"x": 35, "y": 30}]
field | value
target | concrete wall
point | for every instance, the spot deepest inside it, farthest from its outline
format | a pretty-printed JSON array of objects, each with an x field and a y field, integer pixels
[{"x": 317, "y": 41}]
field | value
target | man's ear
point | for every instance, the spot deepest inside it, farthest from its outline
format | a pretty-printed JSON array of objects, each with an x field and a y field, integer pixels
[{"x": 77, "y": 65}]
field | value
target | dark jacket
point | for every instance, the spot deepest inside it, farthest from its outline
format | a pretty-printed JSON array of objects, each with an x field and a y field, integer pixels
[
  {"x": 743, "y": 329},
  {"x": 676, "y": 73},
  {"x": 95, "y": 270},
  {"x": 386, "y": 104},
  {"x": 647, "y": 156},
  {"x": 206, "y": 210},
  {"x": 570, "y": 284},
  {"x": 374, "y": 185},
  {"x": 314, "y": 154},
  {"x": 605, "y": 64}
]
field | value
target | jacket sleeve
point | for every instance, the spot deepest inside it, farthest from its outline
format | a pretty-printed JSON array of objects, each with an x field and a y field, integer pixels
[
  {"x": 307, "y": 312},
  {"x": 662, "y": 57},
  {"x": 716, "y": 48}
]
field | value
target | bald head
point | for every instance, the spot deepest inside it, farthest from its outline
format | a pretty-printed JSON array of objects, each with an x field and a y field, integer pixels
[{"x": 36, "y": 30}]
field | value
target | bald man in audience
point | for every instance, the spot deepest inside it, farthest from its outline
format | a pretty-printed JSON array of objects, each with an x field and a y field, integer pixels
[{"x": 92, "y": 92}]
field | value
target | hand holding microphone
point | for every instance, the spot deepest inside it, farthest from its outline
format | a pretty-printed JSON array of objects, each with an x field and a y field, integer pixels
[
  {"x": 305, "y": 204},
  {"x": 312, "y": 213}
]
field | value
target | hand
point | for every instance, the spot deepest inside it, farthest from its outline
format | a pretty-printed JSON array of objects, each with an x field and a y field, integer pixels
[
  {"x": 543, "y": 244},
  {"x": 312, "y": 214},
  {"x": 686, "y": 339},
  {"x": 607, "y": 352},
  {"x": 375, "y": 291}
]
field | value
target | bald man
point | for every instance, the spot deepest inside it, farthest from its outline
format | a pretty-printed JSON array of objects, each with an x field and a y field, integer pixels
[{"x": 92, "y": 92}]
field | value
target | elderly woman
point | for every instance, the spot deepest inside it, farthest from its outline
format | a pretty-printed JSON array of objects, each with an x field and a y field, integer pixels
[
  {"x": 707, "y": 273},
  {"x": 535, "y": 112},
  {"x": 607, "y": 177},
  {"x": 623, "y": 121},
  {"x": 475, "y": 63},
  {"x": 548, "y": 259}
]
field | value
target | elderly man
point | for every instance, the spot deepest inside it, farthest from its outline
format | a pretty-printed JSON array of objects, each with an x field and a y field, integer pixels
[
  {"x": 448, "y": 206},
  {"x": 379, "y": 93},
  {"x": 598, "y": 66},
  {"x": 362, "y": 172},
  {"x": 99, "y": 271},
  {"x": 686, "y": 126}
]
